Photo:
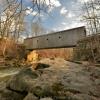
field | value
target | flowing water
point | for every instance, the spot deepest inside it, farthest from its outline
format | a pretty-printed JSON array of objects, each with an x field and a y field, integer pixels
[{"x": 6, "y": 73}]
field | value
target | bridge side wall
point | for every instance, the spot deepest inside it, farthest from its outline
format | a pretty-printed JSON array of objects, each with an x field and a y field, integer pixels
[{"x": 61, "y": 39}]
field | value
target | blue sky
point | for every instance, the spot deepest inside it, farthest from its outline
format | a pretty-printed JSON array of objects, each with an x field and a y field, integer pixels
[{"x": 64, "y": 14}]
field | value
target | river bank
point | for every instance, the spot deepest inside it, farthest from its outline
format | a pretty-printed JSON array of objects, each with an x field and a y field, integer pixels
[{"x": 60, "y": 80}]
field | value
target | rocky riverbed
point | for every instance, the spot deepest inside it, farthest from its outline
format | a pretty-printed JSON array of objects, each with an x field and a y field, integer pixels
[{"x": 53, "y": 79}]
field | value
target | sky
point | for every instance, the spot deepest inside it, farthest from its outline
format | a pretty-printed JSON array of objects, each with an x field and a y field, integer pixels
[{"x": 62, "y": 15}]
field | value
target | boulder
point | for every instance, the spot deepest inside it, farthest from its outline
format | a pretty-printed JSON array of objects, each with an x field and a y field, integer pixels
[
  {"x": 30, "y": 96},
  {"x": 41, "y": 66},
  {"x": 70, "y": 82},
  {"x": 11, "y": 95},
  {"x": 48, "y": 98},
  {"x": 21, "y": 80}
]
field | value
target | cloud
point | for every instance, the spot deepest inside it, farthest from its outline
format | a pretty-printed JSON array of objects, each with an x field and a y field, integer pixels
[
  {"x": 68, "y": 26},
  {"x": 66, "y": 13},
  {"x": 75, "y": 24},
  {"x": 50, "y": 9},
  {"x": 30, "y": 11},
  {"x": 55, "y": 3},
  {"x": 70, "y": 15},
  {"x": 63, "y": 11},
  {"x": 63, "y": 23},
  {"x": 34, "y": 13},
  {"x": 82, "y": 1}
]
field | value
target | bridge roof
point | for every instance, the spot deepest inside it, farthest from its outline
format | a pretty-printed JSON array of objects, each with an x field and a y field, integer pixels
[{"x": 57, "y": 32}]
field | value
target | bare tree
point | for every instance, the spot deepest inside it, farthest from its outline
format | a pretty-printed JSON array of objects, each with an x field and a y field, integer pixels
[
  {"x": 12, "y": 18},
  {"x": 13, "y": 24},
  {"x": 37, "y": 28},
  {"x": 91, "y": 17}
]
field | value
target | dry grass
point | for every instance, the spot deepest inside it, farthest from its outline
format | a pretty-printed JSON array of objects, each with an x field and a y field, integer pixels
[
  {"x": 66, "y": 53},
  {"x": 10, "y": 49}
]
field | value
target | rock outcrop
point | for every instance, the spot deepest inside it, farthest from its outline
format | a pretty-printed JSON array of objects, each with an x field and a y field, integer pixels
[{"x": 67, "y": 82}]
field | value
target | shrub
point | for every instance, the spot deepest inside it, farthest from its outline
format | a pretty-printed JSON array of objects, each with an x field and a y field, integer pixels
[{"x": 9, "y": 49}]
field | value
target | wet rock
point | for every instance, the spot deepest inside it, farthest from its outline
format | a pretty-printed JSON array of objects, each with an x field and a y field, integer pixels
[
  {"x": 38, "y": 91},
  {"x": 97, "y": 82},
  {"x": 30, "y": 96},
  {"x": 41, "y": 66},
  {"x": 65, "y": 83},
  {"x": 11, "y": 95},
  {"x": 66, "y": 98},
  {"x": 21, "y": 80},
  {"x": 48, "y": 98},
  {"x": 59, "y": 84},
  {"x": 84, "y": 97}
]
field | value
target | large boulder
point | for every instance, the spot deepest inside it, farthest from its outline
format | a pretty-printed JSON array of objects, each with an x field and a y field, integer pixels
[
  {"x": 11, "y": 95},
  {"x": 21, "y": 81},
  {"x": 48, "y": 98},
  {"x": 30, "y": 96},
  {"x": 70, "y": 82}
]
